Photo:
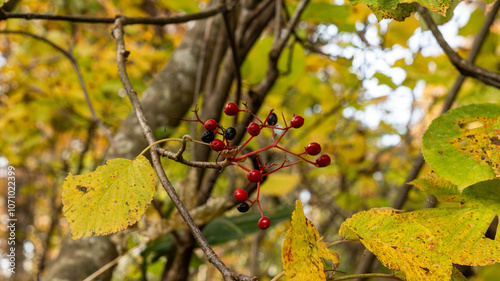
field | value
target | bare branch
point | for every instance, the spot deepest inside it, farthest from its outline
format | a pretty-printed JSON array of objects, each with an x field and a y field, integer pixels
[
  {"x": 126, "y": 20},
  {"x": 465, "y": 67},
  {"x": 278, "y": 47},
  {"x": 148, "y": 133}
]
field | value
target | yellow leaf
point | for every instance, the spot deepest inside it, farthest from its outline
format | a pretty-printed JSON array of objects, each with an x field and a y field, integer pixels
[
  {"x": 302, "y": 250},
  {"x": 425, "y": 244},
  {"x": 109, "y": 199}
]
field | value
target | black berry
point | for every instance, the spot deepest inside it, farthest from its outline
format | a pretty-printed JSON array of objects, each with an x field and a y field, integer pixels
[
  {"x": 243, "y": 207},
  {"x": 230, "y": 133},
  {"x": 208, "y": 136},
  {"x": 273, "y": 119}
]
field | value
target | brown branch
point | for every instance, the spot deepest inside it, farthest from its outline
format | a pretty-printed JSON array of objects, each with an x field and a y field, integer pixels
[
  {"x": 279, "y": 45},
  {"x": 126, "y": 20},
  {"x": 197, "y": 164},
  {"x": 465, "y": 67},
  {"x": 75, "y": 65},
  {"x": 148, "y": 133},
  {"x": 199, "y": 72},
  {"x": 234, "y": 53},
  {"x": 277, "y": 23}
]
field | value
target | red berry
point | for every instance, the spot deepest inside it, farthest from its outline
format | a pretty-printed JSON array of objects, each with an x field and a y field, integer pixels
[
  {"x": 254, "y": 176},
  {"x": 253, "y": 129},
  {"x": 211, "y": 125},
  {"x": 231, "y": 109},
  {"x": 297, "y": 121},
  {"x": 264, "y": 223},
  {"x": 323, "y": 161},
  {"x": 313, "y": 148},
  {"x": 217, "y": 145},
  {"x": 241, "y": 195}
]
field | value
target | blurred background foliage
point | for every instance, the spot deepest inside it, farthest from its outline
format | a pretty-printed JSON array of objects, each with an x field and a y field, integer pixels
[{"x": 367, "y": 96}]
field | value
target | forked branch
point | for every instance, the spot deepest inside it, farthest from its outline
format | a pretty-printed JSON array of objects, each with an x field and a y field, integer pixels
[
  {"x": 148, "y": 133},
  {"x": 465, "y": 67}
]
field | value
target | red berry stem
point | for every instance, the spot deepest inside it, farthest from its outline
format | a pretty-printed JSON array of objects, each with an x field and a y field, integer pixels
[
  {"x": 284, "y": 120},
  {"x": 197, "y": 117},
  {"x": 239, "y": 165},
  {"x": 249, "y": 111},
  {"x": 270, "y": 112},
  {"x": 298, "y": 155},
  {"x": 246, "y": 142},
  {"x": 257, "y": 199},
  {"x": 281, "y": 167}
]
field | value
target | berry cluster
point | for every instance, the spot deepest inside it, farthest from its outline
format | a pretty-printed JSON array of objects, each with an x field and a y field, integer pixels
[{"x": 254, "y": 128}]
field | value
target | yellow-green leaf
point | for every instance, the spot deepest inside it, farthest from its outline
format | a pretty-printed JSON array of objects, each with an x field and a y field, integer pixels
[
  {"x": 303, "y": 250},
  {"x": 109, "y": 199},
  {"x": 424, "y": 244}
]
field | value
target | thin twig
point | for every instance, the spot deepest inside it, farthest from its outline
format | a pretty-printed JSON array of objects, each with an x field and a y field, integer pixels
[
  {"x": 148, "y": 133},
  {"x": 341, "y": 242},
  {"x": 279, "y": 276},
  {"x": 126, "y": 20},
  {"x": 366, "y": 275},
  {"x": 75, "y": 65},
  {"x": 465, "y": 67},
  {"x": 115, "y": 261}
]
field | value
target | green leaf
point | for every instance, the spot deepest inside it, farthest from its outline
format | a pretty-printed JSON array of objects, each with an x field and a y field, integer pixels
[
  {"x": 401, "y": 9},
  {"x": 424, "y": 244},
  {"x": 461, "y": 145},
  {"x": 109, "y": 199}
]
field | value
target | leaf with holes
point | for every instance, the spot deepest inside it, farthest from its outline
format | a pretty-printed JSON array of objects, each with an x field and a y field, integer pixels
[
  {"x": 425, "y": 244},
  {"x": 302, "y": 250},
  {"x": 462, "y": 145},
  {"x": 109, "y": 199}
]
